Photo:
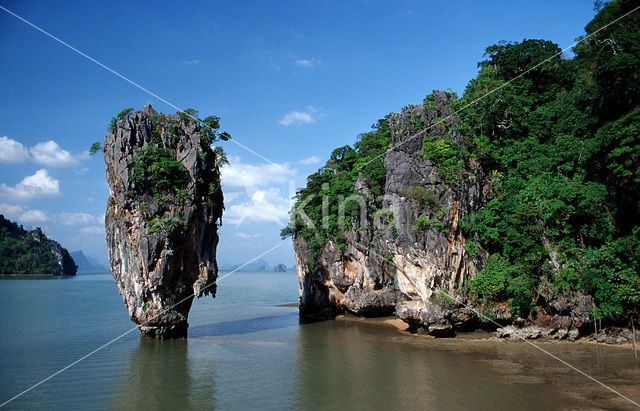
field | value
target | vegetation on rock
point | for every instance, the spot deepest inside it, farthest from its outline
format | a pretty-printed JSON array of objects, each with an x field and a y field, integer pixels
[
  {"x": 336, "y": 182},
  {"x": 162, "y": 217},
  {"x": 560, "y": 145}
]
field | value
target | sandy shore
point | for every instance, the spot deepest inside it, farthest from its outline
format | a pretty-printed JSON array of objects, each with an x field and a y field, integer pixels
[{"x": 477, "y": 336}]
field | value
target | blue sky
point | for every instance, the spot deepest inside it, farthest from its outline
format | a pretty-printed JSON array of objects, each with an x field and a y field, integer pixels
[{"x": 291, "y": 80}]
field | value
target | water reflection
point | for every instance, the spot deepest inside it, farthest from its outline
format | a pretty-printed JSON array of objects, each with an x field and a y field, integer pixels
[
  {"x": 160, "y": 376},
  {"x": 247, "y": 326},
  {"x": 342, "y": 364}
]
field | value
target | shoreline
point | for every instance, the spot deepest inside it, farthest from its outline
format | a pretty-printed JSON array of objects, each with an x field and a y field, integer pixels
[
  {"x": 33, "y": 276},
  {"x": 474, "y": 336}
]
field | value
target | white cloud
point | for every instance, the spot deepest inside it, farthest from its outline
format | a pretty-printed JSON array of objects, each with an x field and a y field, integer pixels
[
  {"x": 307, "y": 62},
  {"x": 41, "y": 184},
  {"x": 26, "y": 215},
  {"x": 22, "y": 214},
  {"x": 251, "y": 177},
  {"x": 191, "y": 62},
  {"x": 80, "y": 171},
  {"x": 51, "y": 154},
  {"x": 34, "y": 216},
  {"x": 261, "y": 200},
  {"x": 76, "y": 219},
  {"x": 48, "y": 153},
  {"x": 310, "y": 160},
  {"x": 85, "y": 155},
  {"x": 245, "y": 236},
  {"x": 298, "y": 117},
  {"x": 11, "y": 211},
  {"x": 92, "y": 230},
  {"x": 264, "y": 206},
  {"x": 12, "y": 151}
]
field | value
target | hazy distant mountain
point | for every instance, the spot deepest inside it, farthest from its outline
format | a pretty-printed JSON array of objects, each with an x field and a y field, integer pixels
[
  {"x": 87, "y": 265},
  {"x": 260, "y": 265}
]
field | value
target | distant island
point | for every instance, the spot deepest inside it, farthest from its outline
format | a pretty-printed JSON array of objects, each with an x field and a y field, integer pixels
[
  {"x": 87, "y": 264},
  {"x": 259, "y": 265},
  {"x": 24, "y": 252}
]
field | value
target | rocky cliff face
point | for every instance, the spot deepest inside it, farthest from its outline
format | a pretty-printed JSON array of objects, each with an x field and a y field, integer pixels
[
  {"x": 391, "y": 263},
  {"x": 63, "y": 261},
  {"x": 432, "y": 262},
  {"x": 411, "y": 257},
  {"x": 162, "y": 217}
]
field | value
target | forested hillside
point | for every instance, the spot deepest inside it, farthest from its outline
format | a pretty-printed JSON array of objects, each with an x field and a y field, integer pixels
[
  {"x": 31, "y": 252},
  {"x": 559, "y": 149}
]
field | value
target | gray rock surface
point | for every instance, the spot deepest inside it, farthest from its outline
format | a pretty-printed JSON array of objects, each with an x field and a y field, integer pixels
[
  {"x": 420, "y": 273},
  {"x": 400, "y": 268},
  {"x": 162, "y": 239}
]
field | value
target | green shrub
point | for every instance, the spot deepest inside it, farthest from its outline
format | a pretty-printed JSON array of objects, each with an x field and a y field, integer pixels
[
  {"x": 95, "y": 147},
  {"x": 610, "y": 274},
  {"x": 490, "y": 284},
  {"x": 427, "y": 199},
  {"x": 519, "y": 289},
  {"x": 155, "y": 168},
  {"x": 439, "y": 226},
  {"x": 445, "y": 155},
  {"x": 471, "y": 248},
  {"x": 164, "y": 225},
  {"x": 422, "y": 223},
  {"x": 118, "y": 117}
]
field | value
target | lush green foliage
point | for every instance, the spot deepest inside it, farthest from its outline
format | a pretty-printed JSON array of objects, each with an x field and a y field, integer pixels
[
  {"x": 27, "y": 252},
  {"x": 426, "y": 199},
  {"x": 445, "y": 155},
  {"x": 156, "y": 169},
  {"x": 336, "y": 181},
  {"x": 95, "y": 147},
  {"x": 164, "y": 225},
  {"x": 118, "y": 117},
  {"x": 559, "y": 142},
  {"x": 209, "y": 127},
  {"x": 562, "y": 146}
]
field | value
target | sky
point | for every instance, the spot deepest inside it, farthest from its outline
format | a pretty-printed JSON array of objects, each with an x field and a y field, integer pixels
[{"x": 291, "y": 81}]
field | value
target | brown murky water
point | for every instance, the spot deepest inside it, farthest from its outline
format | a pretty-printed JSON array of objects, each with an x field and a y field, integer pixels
[
  {"x": 374, "y": 366},
  {"x": 246, "y": 352}
]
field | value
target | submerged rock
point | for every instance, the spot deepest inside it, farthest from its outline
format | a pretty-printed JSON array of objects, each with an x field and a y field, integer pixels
[{"x": 162, "y": 217}]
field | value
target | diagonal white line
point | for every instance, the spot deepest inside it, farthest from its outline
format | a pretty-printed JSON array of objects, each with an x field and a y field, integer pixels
[
  {"x": 136, "y": 327},
  {"x": 133, "y": 83},
  {"x": 522, "y": 338},
  {"x": 499, "y": 87}
]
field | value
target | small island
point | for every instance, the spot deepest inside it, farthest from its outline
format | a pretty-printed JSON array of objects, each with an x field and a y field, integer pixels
[{"x": 30, "y": 252}]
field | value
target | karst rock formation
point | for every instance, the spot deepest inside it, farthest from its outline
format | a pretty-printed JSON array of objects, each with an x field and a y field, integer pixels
[{"x": 162, "y": 216}]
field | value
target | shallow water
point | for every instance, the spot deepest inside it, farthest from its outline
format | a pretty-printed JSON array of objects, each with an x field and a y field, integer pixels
[{"x": 245, "y": 351}]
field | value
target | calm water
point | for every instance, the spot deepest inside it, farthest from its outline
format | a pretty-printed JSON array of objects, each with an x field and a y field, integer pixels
[{"x": 245, "y": 352}]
